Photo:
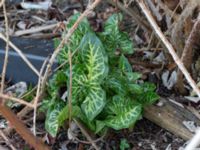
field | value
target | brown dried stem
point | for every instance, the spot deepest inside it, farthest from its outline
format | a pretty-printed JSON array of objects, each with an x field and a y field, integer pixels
[
  {"x": 21, "y": 128},
  {"x": 7, "y": 97},
  {"x": 168, "y": 45},
  {"x": 85, "y": 133},
  {"x": 187, "y": 53},
  {"x": 37, "y": 96}
]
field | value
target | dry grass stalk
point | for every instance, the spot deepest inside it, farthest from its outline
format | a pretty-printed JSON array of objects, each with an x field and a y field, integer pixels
[
  {"x": 37, "y": 96},
  {"x": 168, "y": 45}
]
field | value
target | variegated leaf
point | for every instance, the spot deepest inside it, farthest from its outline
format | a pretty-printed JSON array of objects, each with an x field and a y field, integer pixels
[
  {"x": 124, "y": 64},
  {"x": 116, "y": 84},
  {"x": 79, "y": 87},
  {"x": 113, "y": 38},
  {"x": 125, "y": 43},
  {"x": 51, "y": 123},
  {"x": 125, "y": 113},
  {"x": 94, "y": 102},
  {"x": 76, "y": 37},
  {"x": 133, "y": 76},
  {"x": 112, "y": 24},
  {"x": 94, "y": 57},
  {"x": 64, "y": 113},
  {"x": 148, "y": 98}
]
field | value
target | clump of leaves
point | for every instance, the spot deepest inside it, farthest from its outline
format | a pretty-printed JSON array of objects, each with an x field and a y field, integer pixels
[
  {"x": 124, "y": 144},
  {"x": 105, "y": 91}
]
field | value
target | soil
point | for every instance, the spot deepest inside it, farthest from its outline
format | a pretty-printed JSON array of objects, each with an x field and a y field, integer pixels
[{"x": 144, "y": 136}]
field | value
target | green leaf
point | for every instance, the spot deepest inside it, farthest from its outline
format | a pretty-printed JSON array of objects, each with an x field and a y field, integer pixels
[
  {"x": 79, "y": 87},
  {"x": 94, "y": 57},
  {"x": 89, "y": 124},
  {"x": 148, "y": 98},
  {"x": 102, "y": 89},
  {"x": 81, "y": 30},
  {"x": 76, "y": 37},
  {"x": 133, "y": 76},
  {"x": 113, "y": 38},
  {"x": 58, "y": 80},
  {"x": 135, "y": 89},
  {"x": 110, "y": 36},
  {"x": 94, "y": 102},
  {"x": 112, "y": 23},
  {"x": 125, "y": 113},
  {"x": 100, "y": 125},
  {"x": 64, "y": 113},
  {"x": 148, "y": 87},
  {"x": 116, "y": 84},
  {"x": 125, "y": 43},
  {"x": 124, "y": 144},
  {"x": 51, "y": 123},
  {"x": 124, "y": 64}
]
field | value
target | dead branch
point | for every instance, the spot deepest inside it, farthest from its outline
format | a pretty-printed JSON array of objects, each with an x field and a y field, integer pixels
[
  {"x": 21, "y": 128},
  {"x": 170, "y": 116}
]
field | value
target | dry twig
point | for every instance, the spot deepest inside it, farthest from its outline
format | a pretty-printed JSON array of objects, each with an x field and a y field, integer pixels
[
  {"x": 7, "y": 140},
  {"x": 7, "y": 97},
  {"x": 36, "y": 29},
  {"x": 7, "y": 48},
  {"x": 21, "y": 128},
  {"x": 37, "y": 96},
  {"x": 20, "y": 54},
  {"x": 168, "y": 45},
  {"x": 86, "y": 134}
]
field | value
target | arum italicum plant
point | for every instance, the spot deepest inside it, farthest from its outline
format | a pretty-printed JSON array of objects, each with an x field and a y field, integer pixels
[{"x": 105, "y": 90}]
